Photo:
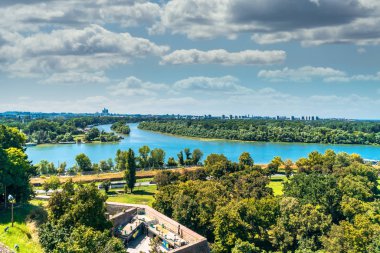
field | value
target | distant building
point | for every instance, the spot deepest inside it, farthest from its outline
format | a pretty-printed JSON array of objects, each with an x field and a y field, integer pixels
[{"x": 105, "y": 111}]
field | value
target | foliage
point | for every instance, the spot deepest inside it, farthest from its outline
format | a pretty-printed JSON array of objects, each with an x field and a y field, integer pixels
[
  {"x": 84, "y": 162},
  {"x": 321, "y": 131},
  {"x": 121, "y": 127},
  {"x": 15, "y": 169},
  {"x": 130, "y": 171},
  {"x": 77, "y": 222}
]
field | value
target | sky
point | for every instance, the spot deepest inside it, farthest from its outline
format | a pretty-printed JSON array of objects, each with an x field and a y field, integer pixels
[{"x": 255, "y": 57}]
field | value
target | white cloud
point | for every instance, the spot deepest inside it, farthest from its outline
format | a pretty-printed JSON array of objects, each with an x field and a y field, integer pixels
[
  {"x": 92, "y": 48},
  {"x": 225, "y": 84},
  {"x": 132, "y": 86},
  {"x": 221, "y": 56},
  {"x": 309, "y": 73},
  {"x": 303, "y": 74},
  {"x": 77, "y": 77}
]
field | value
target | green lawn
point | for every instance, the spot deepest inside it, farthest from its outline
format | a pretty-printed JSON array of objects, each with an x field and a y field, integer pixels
[
  {"x": 277, "y": 187},
  {"x": 276, "y": 184},
  {"x": 141, "y": 195},
  {"x": 22, "y": 233}
]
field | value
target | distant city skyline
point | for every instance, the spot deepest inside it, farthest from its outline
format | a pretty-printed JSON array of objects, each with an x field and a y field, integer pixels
[{"x": 193, "y": 57}]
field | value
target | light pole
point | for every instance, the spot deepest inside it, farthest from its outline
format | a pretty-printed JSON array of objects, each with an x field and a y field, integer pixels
[{"x": 12, "y": 200}]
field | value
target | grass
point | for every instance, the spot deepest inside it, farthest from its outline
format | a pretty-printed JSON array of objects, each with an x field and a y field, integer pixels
[
  {"x": 141, "y": 195},
  {"x": 276, "y": 183},
  {"x": 277, "y": 187},
  {"x": 23, "y": 233}
]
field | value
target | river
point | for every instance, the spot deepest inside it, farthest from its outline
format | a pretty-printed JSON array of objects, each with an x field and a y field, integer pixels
[{"x": 262, "y": 152}]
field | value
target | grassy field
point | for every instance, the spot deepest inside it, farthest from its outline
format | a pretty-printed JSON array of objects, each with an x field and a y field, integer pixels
[
  {"x": 23, "y": 233},
  {"x": 141, "y": 195}
]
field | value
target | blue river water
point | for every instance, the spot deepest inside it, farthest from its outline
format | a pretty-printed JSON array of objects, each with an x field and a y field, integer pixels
[{"x": 262, "y": 152}]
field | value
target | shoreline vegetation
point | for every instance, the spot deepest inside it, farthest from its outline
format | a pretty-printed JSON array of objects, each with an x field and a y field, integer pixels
[
  {"x": 282, "y": 131},
  {"x": 80, "y": 130}
]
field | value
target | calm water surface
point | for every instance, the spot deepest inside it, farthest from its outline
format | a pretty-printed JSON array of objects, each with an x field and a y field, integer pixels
[{"x": 261, "y": 152}]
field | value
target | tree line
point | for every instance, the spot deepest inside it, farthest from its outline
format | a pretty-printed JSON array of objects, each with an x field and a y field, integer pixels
[
  {"x": 63, "y": 130},
  {"x": 329, "y": 204},
  {"x": 321, "y": 131},
  {"x": 146, "y": 159}
]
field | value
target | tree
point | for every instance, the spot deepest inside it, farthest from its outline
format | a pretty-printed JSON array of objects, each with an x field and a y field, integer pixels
[
  {"x": 144, "y": 156},
  {"x": 84, "y": 163},
  {"x": 316, "y": 189},
  {"x": 86, "y": 206},
  {"x": 288, "y": 168},
  {"x": 172, "y": 162},
  {"x": 187, "y": 154},
  {"x": 87, "y": 239},
  {"x": 245, "y": 160},
  {"x": 61, "y": 168},
  {"x": 106, "y": 186},
  {"x": 92, "y": 134},
  {"x": 77, "y": 222},
  {"x": 245, "y": 247},
  {"x": 166, "y": 177},
  {"x": 272, "y": 168},
  {"x": 103, "y": 166},
  {"x": 15, "y": 172},
  {"x": 180, "y": 158},
  {"x": 130, "y": 172},
  {"x": 305, "y": 224},
  {"x": 197, "y": 156},
  {"x": 51, "y": 183},
  {"x": 121, "y": 160},
  {"x": 157, "y": 156},
  {"x": 245, "y": 220},
  {"x": 217, "y": 165},
  {"x": 110, "y": 164}
]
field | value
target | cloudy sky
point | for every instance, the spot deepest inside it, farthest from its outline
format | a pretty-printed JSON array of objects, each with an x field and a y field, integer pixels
[{"x": 257, "y": 57}]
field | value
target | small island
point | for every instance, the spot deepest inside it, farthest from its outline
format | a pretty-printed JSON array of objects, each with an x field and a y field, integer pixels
[{"x": 120, "y": 127}]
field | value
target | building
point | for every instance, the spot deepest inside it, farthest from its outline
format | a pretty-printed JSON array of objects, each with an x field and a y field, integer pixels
[
  {"x": 136, "y": 225},
  {"x": 105, "y": 111}
]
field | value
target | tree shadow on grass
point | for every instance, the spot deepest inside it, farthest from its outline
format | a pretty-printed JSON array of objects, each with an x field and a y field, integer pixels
[{"x": 142, "y": 192}]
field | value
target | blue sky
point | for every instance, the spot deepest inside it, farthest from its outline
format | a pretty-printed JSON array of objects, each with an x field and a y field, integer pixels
[{"x": 257, "y": 57}]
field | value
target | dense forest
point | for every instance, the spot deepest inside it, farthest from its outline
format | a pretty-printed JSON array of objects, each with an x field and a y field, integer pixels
[
  {"x": 59, "y": 130},
  {"x": 329, "y": 205},
  {"x": 321, "y": 131}
]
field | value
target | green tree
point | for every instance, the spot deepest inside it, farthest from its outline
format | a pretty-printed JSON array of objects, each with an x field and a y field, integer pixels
[
  {"x": 144, "y": 156},
  {"x": 304, "y": 224},
  {"x": 103, "y": 166},
  {"x": 181, "y": 161},
  {"x": 196, "y": 156},
  {"x": 288, "y": 164},
  {"x": 166, "y": 177},
  {"x": 172, "y": 162},
  {"x": 84, "y": 162},
  {"x": 130, "y": 172},
  {"x": 245, "y": 160},
  {"x": 86, "y": 239},
  {"x": 51, "y": 183},
  {"x": 157, "y": 156},
  {"x": 106, "y": 185},
  {"x": 245, "y": 247}
]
